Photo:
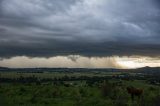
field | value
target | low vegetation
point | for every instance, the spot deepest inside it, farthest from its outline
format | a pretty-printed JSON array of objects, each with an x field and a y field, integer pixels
[{"x": 68, "y": 90}]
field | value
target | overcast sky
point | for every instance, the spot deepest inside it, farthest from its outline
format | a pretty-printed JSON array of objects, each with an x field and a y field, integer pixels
[{"x": 89, "y": 28}]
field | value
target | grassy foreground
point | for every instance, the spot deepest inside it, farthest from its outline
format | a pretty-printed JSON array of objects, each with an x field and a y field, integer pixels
[{"x": 77, "y": 93}]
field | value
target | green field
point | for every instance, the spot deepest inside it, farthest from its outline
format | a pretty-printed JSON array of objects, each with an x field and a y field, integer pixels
[{"x": 110, "y": 92}]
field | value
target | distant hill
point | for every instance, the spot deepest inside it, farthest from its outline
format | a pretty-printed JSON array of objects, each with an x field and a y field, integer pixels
[
  {"x": 3, "y": 68},
  {"x": 145, "y": 70}
]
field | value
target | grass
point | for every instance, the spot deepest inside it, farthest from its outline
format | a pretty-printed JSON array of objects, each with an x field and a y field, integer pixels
[
  {"x": 78, "y": 94},
  {"x": 51, "y": 95}
]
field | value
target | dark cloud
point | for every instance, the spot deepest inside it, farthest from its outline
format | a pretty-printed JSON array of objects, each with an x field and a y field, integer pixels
[
  {"x": 79, "y": 27},
  {"x": 37, "y": 49}
]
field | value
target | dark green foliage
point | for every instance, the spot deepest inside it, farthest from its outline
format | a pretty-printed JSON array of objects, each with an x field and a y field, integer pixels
[
  {"x": 106, "y": 89},
  {"x": 108, "y": 94},
  {"x": 67, "y": 90}
]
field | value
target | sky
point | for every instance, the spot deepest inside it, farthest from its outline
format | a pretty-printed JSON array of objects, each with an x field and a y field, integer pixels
[{"x": 80, "y": 33}]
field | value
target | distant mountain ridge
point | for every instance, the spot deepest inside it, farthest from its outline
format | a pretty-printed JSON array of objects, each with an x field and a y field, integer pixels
[
  {"x": 3, "y": 68},
  {"x": 147, "y": 70}
]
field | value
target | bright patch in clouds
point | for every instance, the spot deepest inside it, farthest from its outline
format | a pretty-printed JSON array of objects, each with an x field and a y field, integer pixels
[{"x": 138, "y": 62}]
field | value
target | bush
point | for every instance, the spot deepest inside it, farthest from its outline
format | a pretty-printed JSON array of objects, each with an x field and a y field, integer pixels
[{"x": 106, "y": 89}]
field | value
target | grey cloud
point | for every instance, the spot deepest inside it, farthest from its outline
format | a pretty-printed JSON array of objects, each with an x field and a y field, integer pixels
[{"x": 39, "y": 28}]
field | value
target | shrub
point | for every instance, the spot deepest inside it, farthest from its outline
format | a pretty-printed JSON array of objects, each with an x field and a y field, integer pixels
[{"x": 106, "y": 89}]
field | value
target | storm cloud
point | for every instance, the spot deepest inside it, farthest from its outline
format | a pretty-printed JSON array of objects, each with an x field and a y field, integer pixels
[{"x": 46, "y": 28}]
